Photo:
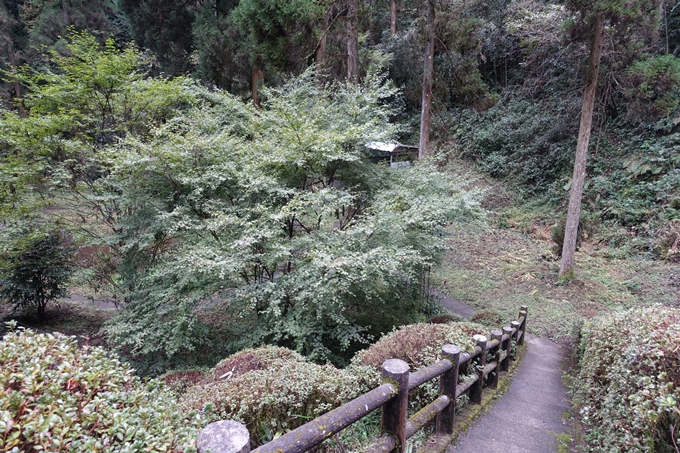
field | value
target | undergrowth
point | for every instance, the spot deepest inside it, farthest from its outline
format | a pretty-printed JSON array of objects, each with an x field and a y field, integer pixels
[
  {"x": 511, "y": 261},
  {"x": 59, "y": 397},
  {"x": 628, "y": 385}
]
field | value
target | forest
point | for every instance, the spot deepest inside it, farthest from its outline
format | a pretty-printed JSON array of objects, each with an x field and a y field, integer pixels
[{"x": 202, "y": 170}]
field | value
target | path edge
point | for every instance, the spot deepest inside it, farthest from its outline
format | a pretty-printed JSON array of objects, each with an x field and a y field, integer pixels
[{"x": 471, "y": 412}]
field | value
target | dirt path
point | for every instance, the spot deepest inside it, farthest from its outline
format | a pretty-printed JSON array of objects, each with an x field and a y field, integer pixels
[
  {"x": 529, "y": 417},
  {"x": 99, "y": 303},
  {"x": 454, "y": 305}
]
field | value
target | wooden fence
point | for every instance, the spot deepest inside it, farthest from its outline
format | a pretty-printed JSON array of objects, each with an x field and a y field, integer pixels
[{"x": 489, "y": 358}]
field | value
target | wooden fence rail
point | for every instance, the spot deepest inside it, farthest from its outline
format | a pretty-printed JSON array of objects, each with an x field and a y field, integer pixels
[{"x": 392, "y": 397}]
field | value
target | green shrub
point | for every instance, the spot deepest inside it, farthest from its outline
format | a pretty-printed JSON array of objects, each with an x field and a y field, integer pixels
[
  {"x": 272, "y": 390},
  {"x": 635, "y": 183},
  {"x": 628, "y": 386},
  {"x": 58, "y": 397},
  {"x": 419, "y": 345},
  {"x": 528, "y": 142},
  {"x": 35, "y": 268},
  {"x": 557, "y": 235},
  {"x": 651, "y": 88}
]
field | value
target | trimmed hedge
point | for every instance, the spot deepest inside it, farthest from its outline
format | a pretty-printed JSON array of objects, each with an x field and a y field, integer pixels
[
  {"x": 419, "y": 345},
  {"x": 628, "y": 386},
  {"x": 271, "y": 390},
  {"x": 58, "y": 397}
]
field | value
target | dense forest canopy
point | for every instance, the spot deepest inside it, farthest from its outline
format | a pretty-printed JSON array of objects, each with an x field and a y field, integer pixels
[{"x": 213, "y": 152}]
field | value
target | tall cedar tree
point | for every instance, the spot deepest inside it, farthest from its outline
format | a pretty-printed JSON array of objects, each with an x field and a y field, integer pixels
[
  {"x": 574, "y": 211},
  {"x": 352, "y": 41},
  {"x": 161, "y": 26},
  {"x": 277, "y": 35},
  {"x": 619, "y": 13},
  {"x": 428, "y": 75}
]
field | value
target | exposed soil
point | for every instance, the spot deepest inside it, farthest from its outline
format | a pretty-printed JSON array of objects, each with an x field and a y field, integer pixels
[{"x": 76, "y": 315}]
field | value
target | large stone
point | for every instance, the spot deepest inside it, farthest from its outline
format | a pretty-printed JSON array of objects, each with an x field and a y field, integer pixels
[{"x": 225, "y": 436}]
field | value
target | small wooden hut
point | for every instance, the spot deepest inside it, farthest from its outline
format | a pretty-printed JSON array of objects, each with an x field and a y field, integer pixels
[{"x": 397, "y": 154}]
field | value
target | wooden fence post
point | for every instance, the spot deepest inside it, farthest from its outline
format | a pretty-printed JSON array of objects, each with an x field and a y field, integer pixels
[
  {"x": 496, "y": 335},
  {"x": 523, "y": 312},
  {"x": 447, "y": 386},
  {"x": 476, "y": 389},
  {"x": 225, "y": 436},
  {"x": 517, "y": 326},
  {"x": 507, "y": 347},
  {"x": 394, "y": 412}
]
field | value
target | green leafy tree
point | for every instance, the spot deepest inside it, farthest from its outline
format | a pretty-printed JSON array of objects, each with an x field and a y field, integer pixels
[
  {"x": 274, "y": 213},
  {"x": 36, "y": 269},
  {"x": 278, "y": 216},
  {"x": 95, "y": 94},
  {"x": 82, "y": 102},
  {"x": 27, "y": 28},
  {"x": 87, "y": 99},
  {"x": 277, "y": 34}
]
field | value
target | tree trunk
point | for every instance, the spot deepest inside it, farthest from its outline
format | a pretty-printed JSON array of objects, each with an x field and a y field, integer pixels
[
  {"x": 574, "y": 212},
  {"x": 663, "y": 22},
  {"x": 393, "y": 17},
  {"x": 256, "y": 82},
  {"x": 320, "y": 51},
  {"x": 352, "y": 41},
  {"x": 41, "y": 310},
  {"x": 428, "y": 71},
  {"x": 656, "y": 31},
  {"x": 17, "y": 92},
  {"x": 14, "y": 61},
  {"x": 320, "y": 54}
]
